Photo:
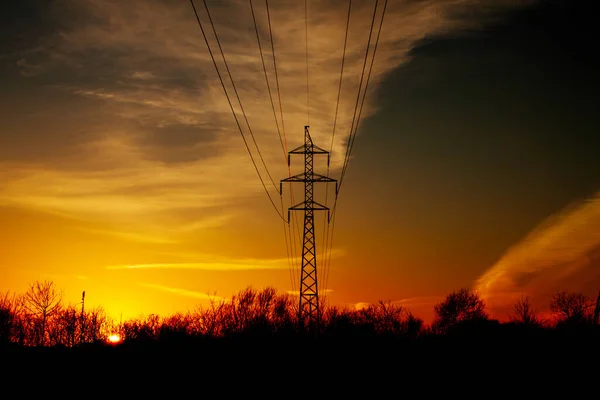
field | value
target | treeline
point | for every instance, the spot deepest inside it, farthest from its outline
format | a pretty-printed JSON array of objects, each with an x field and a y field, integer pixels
[{"x": 39, "y": 318}]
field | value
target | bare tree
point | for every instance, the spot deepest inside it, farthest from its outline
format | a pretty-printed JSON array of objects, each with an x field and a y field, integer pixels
[
  {"x": 458, "y": 307},
  {"x": 43, "y": 300},
  {"x": 571, "y": 307},
  {"x": 524, "y": 313},
  {"x": 94, "y": 325},
  {"x": 63, "y": 327}
]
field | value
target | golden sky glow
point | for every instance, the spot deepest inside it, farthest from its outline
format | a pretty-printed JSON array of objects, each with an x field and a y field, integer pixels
[{"x": 126, "y": 176}]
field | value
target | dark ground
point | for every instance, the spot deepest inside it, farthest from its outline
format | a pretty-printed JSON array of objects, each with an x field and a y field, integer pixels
[{"x": 483, "y": 365}]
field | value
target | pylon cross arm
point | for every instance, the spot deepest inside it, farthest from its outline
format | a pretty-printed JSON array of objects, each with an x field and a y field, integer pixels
[{"x": 312, "y": 205}]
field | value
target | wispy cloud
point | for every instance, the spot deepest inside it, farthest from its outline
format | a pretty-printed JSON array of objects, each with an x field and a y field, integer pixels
[
  {"x": 131, "y": 236},
  {"x": 219, "y": 263},
  {"x": 183, "y": 292},
  {"x": 28, "y": 69},
  {"x": 361, "y": 305},
  {"x": 419, "y": 301},
  {"x": 228, "y": 265},
  {"x": 149, "y": 130},
  {"x": 562, "y": 253},
  {"x": 169, "y": 234}
]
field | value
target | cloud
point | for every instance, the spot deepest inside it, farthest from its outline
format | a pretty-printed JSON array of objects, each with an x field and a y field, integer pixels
[
  {"x": 27, "y": 69},
  {"x": 131, "y": 191},
  {"x": 184, "y": 292},
  {"x": 361, "y": 305},
  {"x": 410, "y": 303},
  {"x": 419, "y": 301},
  {"x": 158, "y": 131},
  {"x": 562, "y": 253},
  {"x": 131, "y": 236},
  {"x": 226, "y": 265},
  {"x": 216, "y": 263}
]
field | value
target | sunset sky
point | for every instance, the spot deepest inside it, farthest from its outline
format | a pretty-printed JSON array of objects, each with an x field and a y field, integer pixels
[{"x": 123, "y": 172}]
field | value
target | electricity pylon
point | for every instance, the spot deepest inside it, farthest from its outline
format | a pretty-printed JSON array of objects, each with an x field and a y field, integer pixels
[{"x": 308, "y": 307}]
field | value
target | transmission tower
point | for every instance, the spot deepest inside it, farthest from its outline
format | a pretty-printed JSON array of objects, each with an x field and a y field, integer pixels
[{"x": 308, "y": 307}]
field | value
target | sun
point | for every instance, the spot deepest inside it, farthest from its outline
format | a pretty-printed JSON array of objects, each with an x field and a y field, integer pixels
[{"x": 114, "y": 338}]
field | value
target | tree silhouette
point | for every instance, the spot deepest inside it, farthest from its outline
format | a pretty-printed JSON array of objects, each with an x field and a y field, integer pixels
[
  {"x": 63, "y": 329},
  {"x": 385, "y": 319},
  {"x": 596, "y": 319},
  {"x": 524, "y": 313},
  {"x": 94, "y": 325},
  {"x": 571, "y": 307},
  {"x": 39, "y": 318},
  {"x": 6, "y": 318},
  {"x": 253, "y": 312},
  {"x": 458, "y": 307},
  {"x": 42, "y": 300}
]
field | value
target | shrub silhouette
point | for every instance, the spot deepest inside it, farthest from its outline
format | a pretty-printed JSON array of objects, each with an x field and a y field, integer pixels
[
  {"x": 176, "y": 327},
  {"x": 265, "y": 313},
  {"x": 145, "y": 329},
  {"x": 376, "y": 320},
  {"x": 63, "y": 327},
  {"x": 525, "y": 314},
  {"x": 254, "y": 313},
  {"x": 571, "y": 308},
  {"x": 6, "y": 318},
  {"x": 457, "y": 308}
]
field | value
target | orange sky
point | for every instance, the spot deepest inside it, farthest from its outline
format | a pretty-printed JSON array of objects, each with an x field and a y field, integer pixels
[{"x": 125, "y": 175}]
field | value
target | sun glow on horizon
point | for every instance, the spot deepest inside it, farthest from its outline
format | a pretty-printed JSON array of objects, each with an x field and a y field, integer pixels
[{"x": 114, "y": 339}]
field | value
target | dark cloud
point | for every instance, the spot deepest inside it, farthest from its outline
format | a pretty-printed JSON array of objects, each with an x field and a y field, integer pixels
[
  {"x": 179, "y": 143},
  {"x": 48, "y": 127},
  {"x": 504, "y": 118},
  {"x": 138, "y": 109},
  {"x": 23, "y": 24}
]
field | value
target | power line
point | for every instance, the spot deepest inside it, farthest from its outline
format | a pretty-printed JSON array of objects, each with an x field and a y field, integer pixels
[
  {"x": 326, "y": 223},
  {"x": 341, "y": 75},
  {"x": 238, "y": 96},
  {"x": 356, "y": 129},
  {"x": 346, "y": 157},
  {"x": 276, "y": 76},
  {"x": 330, "y": 247},
  {"x": 262, "y": 59},
  {"x": 306, "y": 34},
  {"x": 352, "y": 136},
  {"x": 233, "y": 111},
  {"x": 365, "y": 91},
  {"x": 286, "y": 229},
  {"x": 287, "y": 250},
  {"x": 353, "y": 127},
  {"x": 296, "y": 232}
]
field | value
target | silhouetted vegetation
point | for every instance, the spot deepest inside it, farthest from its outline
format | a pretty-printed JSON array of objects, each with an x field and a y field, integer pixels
[
  {"x": 524, "y": 313},
  {"x": 571, "y": 308},
  {"x": 458, "y": 308},
  {"x": 40, "y": 319}
]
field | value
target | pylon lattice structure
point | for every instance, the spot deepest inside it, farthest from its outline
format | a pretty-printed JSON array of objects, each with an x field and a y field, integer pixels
[{"x": 308, "y": 307}]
